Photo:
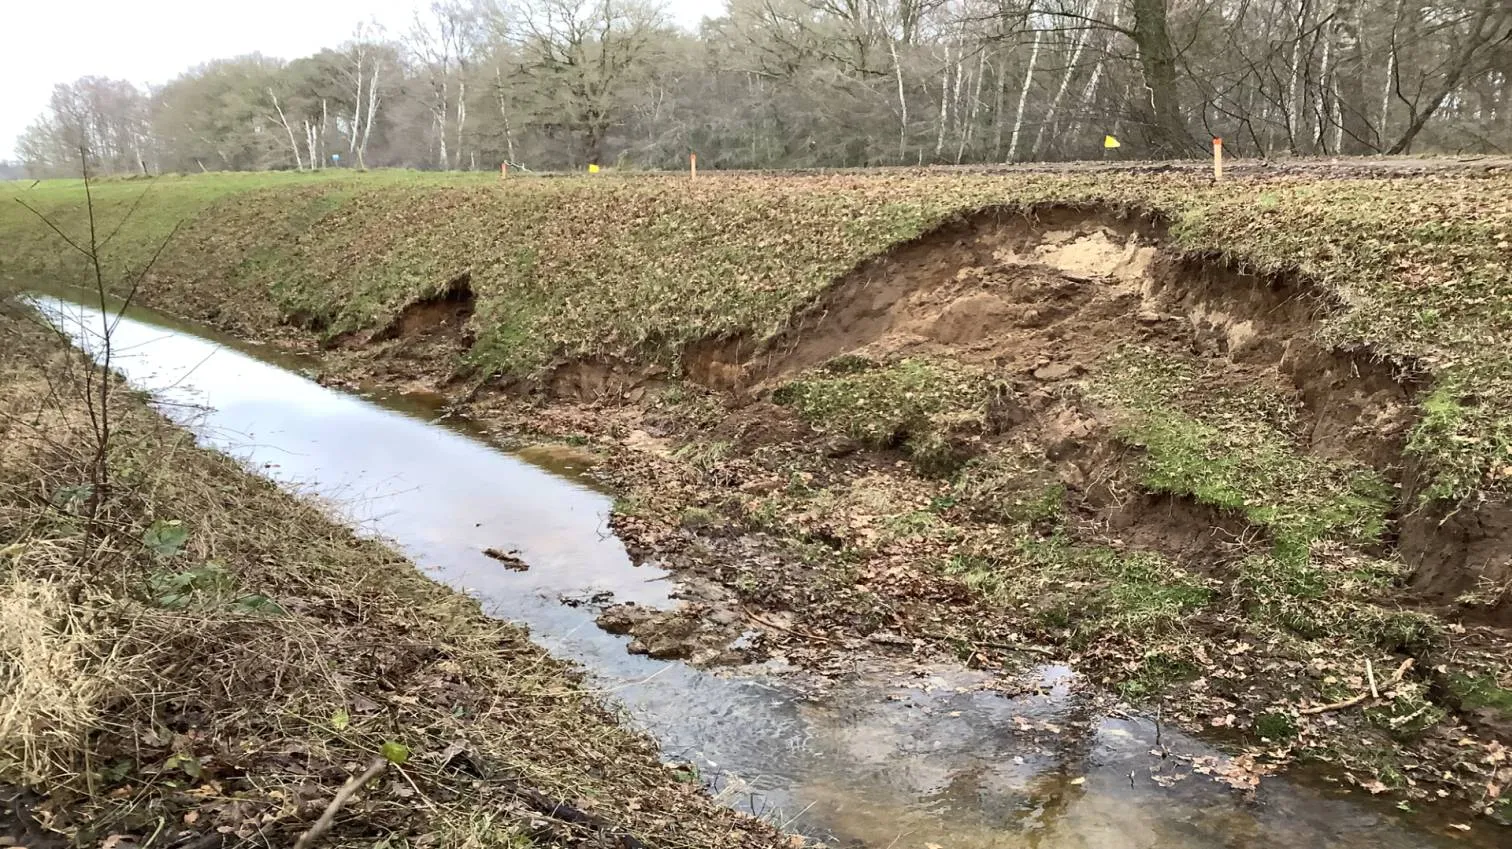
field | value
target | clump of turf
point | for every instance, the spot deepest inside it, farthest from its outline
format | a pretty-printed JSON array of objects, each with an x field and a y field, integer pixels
[
  {"x": 929, "y": 408},
  {"x": 1090, "y": 591},
  {"x": 1234, "y": 449},
  {"x": 1013, "y": 488}
]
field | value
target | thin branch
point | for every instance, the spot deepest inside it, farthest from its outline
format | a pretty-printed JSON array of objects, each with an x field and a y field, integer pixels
[
  {"x": 48, "y": 222},
  {"x": 142, "y": 275},
  {"x": 343, "y": 796}
]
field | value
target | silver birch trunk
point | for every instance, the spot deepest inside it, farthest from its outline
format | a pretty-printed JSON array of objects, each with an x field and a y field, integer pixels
[
  {"x": 1294, "y": 93},
  {"x": 1018, "y": 121},
  {"x": 357, "y": 106},
  {"x": 372, "y": 109},
  {"x": 1389, "y": 82},
  {"x": 1060, "y": 93},
  {"x": 504, "y": 113},
  {"x": 309, "y": 133},
  {"x": 1325, "y": 85},
  {"x": 944, "y": 104},
  {"x": 902, "y": 104},
  {"x": 293, "y": 145},
  {"x": 461, "y": 118},
  {"x": 997, "y": 107},
  {"x": 1090, "y": 92},
  {"x": 975, "y": 101}
]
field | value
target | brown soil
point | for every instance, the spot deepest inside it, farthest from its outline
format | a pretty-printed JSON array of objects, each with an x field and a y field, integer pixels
[
  {"x": 428, "y": 335},
  {"x": 445, "y": 314}
]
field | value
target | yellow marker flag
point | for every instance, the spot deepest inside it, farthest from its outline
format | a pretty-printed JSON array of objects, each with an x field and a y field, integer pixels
[
  {"x": 1109, "y": 142},
  {"x": 593, "y": 168}
]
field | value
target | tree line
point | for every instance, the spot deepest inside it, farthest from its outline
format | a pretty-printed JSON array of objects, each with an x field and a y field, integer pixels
[{"x": 559, "y": 84}]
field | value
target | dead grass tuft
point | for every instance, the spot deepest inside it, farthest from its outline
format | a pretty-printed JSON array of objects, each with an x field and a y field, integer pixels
[{"x": 54, "y": 677}]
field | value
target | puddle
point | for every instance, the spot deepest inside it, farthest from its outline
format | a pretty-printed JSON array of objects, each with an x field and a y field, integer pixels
[{"x": 910, "y": 757}]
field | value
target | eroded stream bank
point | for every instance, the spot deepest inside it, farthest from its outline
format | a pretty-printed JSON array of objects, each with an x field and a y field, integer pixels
[{"x": 890, "y": 752}]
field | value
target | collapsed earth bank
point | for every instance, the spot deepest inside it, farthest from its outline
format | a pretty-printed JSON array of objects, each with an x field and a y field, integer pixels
[{"x": 1220, "y": 445}]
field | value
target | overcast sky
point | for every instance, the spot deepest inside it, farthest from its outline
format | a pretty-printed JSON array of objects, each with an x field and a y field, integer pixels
[{"x": 153, "y": 41}]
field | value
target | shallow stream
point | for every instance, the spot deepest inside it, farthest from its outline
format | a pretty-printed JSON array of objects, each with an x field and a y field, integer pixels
[{"x": 892, "y": 757}]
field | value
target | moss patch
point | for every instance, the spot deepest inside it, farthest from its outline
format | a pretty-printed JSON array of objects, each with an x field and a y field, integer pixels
[{"x": 1475, "y": 692}]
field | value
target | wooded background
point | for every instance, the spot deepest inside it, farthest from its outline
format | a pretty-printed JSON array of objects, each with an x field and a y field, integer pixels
[{"x": 559, "y": 84}]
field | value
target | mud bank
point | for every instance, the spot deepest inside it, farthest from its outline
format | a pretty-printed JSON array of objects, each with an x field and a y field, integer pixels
[{"x": 1041, "y": 300}]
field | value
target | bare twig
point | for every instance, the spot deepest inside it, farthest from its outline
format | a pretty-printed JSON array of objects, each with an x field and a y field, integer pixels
[
  {"x": 344, "y": 795},
  {"x": 1396, "y": 678},
  {"x": 794, "y": 631},
  {"x": 1347, "y": 703}
]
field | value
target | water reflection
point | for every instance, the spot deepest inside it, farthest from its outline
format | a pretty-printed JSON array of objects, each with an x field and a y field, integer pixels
[{"x": 894, "y": 758}]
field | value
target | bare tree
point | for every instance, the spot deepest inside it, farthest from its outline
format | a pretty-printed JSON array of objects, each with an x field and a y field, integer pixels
[
  {"x": 284, "y": 120},
  {"x": 1480, "y": 27},
  {"x": 583, "y": 57},
  {"x": 364, "y": 73},
  {"x": 98, "y": 377}
]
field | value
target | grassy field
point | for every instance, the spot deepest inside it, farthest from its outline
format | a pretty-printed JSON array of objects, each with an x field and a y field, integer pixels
[{"x": 193, "y": 654}]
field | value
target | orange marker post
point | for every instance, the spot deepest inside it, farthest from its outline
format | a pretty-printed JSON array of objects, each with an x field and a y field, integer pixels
[
  {"x": 1217, "y": 159},
  {"x": 693, "y": 165},
  {"x": 503, "y": 170}
]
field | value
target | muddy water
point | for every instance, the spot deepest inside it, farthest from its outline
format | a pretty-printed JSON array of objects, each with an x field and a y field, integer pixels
[{"x": 894, "y": 757}]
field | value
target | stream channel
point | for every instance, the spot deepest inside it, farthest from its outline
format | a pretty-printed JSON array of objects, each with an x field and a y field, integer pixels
[{"x": 922, "y": 756}]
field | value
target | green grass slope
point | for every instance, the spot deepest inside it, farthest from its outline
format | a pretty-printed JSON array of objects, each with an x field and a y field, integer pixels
[{"x": 639, "y": 266}]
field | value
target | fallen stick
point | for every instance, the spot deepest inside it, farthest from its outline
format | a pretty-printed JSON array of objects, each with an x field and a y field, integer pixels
[
  {"x": 343, "y": 796},
  {"x": 1396, "y": 678},
  {"x": 1370, "y": 676},
  {"x": 1351, "y": 702},
  {"x": 794, "y": 631}
]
